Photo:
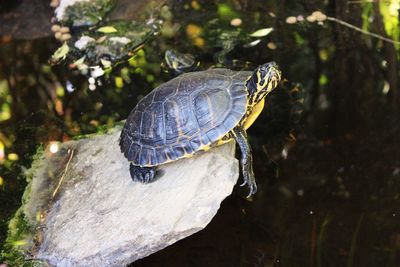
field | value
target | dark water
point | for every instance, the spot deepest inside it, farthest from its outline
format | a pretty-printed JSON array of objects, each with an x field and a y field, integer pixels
[{"x": 333, "y": 200}]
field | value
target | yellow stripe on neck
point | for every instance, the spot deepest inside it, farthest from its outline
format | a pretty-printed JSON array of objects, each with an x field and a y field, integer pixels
[{"x": 256, "y": 110}]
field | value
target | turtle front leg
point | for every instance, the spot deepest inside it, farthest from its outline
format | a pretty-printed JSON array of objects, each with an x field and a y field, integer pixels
[
  {"x": 142, "y": 174},
  {"x": 240, "y": 135}
]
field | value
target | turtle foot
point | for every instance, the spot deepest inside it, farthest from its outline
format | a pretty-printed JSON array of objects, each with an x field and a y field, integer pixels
[
  {"x": 250, "y": 181},
  {"x": 142, "y": 174},
  {"x": 252, "y": 189}
]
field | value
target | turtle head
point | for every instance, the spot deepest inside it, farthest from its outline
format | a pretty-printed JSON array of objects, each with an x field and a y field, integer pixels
[
  {"x": 178, "y": 63},
  {"x": 263, "y": 81}
]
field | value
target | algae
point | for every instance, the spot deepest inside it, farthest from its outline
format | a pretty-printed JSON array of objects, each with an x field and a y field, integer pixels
[
  {"x": 96, "y": 45},
  {"x": 87, "y": 13},
  {"x": 113, "y": 45},
  {"x": 102, "y": 129},
  {"x": 21, "y": 228},
  {"x": 24, "y": 228}
]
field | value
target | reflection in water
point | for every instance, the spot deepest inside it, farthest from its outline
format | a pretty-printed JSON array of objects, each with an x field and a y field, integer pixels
[{"x": 331, "y": 199}]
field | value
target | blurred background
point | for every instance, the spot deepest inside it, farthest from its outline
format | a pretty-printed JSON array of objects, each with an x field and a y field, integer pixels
[{"x": 329, "y": 196}]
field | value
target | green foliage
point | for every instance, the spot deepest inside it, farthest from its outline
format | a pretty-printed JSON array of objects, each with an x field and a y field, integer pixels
[
  {"x": 5, "y": 100},
  {"x": 390, "y": 13},
  {"x": 18, "y": 241},
  {"x": 323, "y": 80},
  {"x": 389, "y": 10},
  {"x": 226, "y": 12},
  {"x": 366, "y": 14},
  {"x": 115, "y": 42}
]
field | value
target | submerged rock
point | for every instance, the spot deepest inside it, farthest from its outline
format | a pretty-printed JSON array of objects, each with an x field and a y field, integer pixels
[
  {"x": 93, "y": 40},
  {"x": 85, "y": 209},
  {"x": 113, "y": 42},
  {"x": 78, "y": 13},
  {"x": 25, "y": 19}
]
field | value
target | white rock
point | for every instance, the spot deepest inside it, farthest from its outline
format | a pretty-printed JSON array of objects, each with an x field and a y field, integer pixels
[
  {"x": 60, "y": 10},
  {"x": 82, "y": 43},
  {"x": 102, "y": 218},
  {"x": 96, "y": 71},
  {"x": 121, "y": 40}
]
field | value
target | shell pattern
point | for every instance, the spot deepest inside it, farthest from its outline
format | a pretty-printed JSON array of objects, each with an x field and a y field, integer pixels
[{"x": 184, "y": 115}]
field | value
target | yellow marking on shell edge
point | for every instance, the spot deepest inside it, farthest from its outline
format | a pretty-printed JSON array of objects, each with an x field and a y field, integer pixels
[
  {"x": 223, "y": 141},
  {"x": 254, "y": 113},
  {"x": 205, "y": 148}
]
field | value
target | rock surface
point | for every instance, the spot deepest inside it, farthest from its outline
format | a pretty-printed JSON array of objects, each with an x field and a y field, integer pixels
[
  {"x": 100, "y": 217},
  {"x": 25, "y": 19}
]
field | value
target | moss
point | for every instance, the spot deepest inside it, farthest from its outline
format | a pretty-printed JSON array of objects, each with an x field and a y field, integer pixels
[
  {"x": 110, "y": 43},
  {"x": 36, "y": 163},
  {"x": 19, "y": 239},
  {"x": 87, "y": 13},
  {"x": 22, "y": 229},
  {"x": 42, "y": 177},
  {"x": 116, "y": 45},
  {"x": 102, "y": 129}
]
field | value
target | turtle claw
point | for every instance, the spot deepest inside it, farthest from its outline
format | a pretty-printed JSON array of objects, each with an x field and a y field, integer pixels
[
  {"x": 253, "y": 189},
  {"x": 142, "y": 174},
  {"x": 251, "y": 184},
  {"x": 147, "y": 178},
  {"x": 249, "y": 195}
]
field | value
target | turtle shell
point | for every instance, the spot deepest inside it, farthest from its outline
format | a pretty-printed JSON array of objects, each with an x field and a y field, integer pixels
[{"x": 183, "y": 116}]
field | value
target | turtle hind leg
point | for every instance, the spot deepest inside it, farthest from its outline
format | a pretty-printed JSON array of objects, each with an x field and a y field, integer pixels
[{"x": 142, "y": 174}]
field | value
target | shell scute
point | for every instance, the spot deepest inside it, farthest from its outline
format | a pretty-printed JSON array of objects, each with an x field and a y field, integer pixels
[
  {"x": 152, "y": 132},
  {"x": 195, "y": 143},
  {"x": 183, "y": 116},
  {"x": 161, "y": 93},
  {"x": 133, "y": 151},
  {"x": 145, "y": 156},
  {"x": 179, "y": 150}
]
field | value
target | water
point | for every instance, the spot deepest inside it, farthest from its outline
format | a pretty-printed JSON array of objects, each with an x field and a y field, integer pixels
[{"x": 329, "y": 199}]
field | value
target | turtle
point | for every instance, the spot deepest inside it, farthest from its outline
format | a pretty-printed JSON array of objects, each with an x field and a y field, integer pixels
[
  {"x": 178, "y": 63},
  {"x": 195, "y": 112}
]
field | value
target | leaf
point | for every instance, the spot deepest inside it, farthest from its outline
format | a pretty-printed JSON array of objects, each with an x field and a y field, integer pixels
[
  {"x": 80, "y": 64},
  {"x": 101, "y": 39},
  {"x": 107, "y": 29},
  {"x": 105, "y": 63},
  {"x": 60, "y": 53},
  {"x": 254, "y": 43},
  {"x": 262, "y": 32},
  {"x": 80, "y": 61}
]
